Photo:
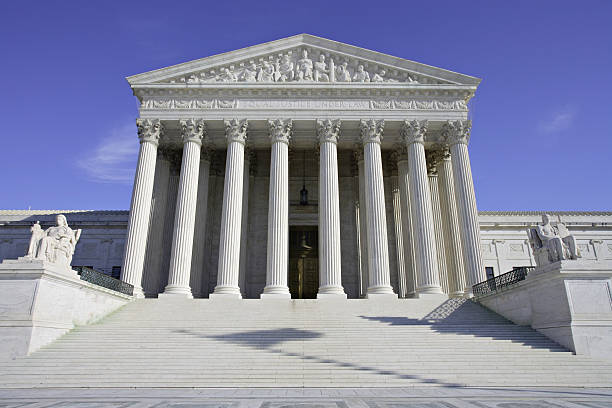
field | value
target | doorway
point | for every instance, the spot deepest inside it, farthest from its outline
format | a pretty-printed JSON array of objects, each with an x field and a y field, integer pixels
[{"x": 303, "y": 262}]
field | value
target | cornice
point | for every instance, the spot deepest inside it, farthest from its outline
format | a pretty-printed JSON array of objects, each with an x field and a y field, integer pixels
[{"x": 269, "y": 49}]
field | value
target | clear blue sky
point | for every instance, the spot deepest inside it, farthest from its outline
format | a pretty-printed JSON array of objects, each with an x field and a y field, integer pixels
[{"x": 542, "y": 133}]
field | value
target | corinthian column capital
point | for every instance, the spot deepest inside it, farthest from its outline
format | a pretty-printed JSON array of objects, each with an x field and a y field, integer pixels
[
  {"x": 372, "y": 130},
  {"x": 280, "y": 130},
  {"x": 413, "y": 131},
  {"x": 193, "y": 130},
  {"x": 149, "y": 130},
  {"x": 236, "y": 130},
  {"x": 457, "y": 132},
  {"x": 328, "y": 130}
]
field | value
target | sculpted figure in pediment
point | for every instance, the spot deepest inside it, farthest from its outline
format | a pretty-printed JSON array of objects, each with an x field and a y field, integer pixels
[
  {"x": 361, "y": 75},
  {"x": 343, "y": 73},
  {"x": 304, "y": 67},
  {"x": 228, "y": 76},
  {"x": 320, "y": 70},
  {"x": 284, "y": 70},
  {"x": 249, "y": 74},
  {"x": 266, "y": 73}
]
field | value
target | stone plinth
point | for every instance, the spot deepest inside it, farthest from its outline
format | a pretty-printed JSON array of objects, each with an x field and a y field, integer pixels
[
  {"x": 40, "y": 302},
  {"x": 568, "y": 301}
]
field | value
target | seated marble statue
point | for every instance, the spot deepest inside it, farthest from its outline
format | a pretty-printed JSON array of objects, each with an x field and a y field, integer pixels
[
  {"x": 304, "y": 67},
  {"x": 284, "y": 70},
  {"x": 320, "y": 70},
  {"x": 552, "y": 243},
  {"x": 56, "y": 244},
  {"x": 266, "y": 72}
]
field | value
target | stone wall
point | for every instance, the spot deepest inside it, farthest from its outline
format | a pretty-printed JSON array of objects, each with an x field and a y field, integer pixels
[{"x": 504, "y": 240}]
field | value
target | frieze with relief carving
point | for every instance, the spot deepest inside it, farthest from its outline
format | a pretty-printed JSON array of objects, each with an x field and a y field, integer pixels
[
  {"x": 304, "y": 65},
  {"x": 338, "y": 104}
]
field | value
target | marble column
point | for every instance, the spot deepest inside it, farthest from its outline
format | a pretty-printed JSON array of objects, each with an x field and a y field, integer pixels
[
  {"x": 432, "y": 176},
  {"x": 413, "y": 133},
  {"x": 175, "y": 158},
  {"x": 378, "y": 250},
  {"x": 450, "y": 226},
  {"x": 330, "y": 278},
  {"x": 231, "y": 216},
  {"x": 278, "y": 211},
  {"x": 199, "y": 236},
  {"x": 399, "y": 235},
  {"x": 192, "y": 132},
  {"x": 153, "y": 258},
  {"x": 149, "y": 131},
  {"x": 363, "y": 224},
  {"x": 409, "y": 256},
  {"x": 457, "y": 135},
  {"x": 249, "y": 171}
]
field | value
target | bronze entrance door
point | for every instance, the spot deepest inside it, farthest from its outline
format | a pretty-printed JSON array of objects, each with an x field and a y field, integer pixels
[{"x": 303, "y": 262}]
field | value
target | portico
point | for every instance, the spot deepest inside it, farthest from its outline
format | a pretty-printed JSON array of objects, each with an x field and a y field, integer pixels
[{"x": 224, "y": 159}]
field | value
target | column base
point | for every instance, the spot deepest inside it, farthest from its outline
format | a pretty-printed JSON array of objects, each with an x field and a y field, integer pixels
[
  {"x": 434, "y": 290},
  {"x": 176, "y": 291},
  {"x": 331, "y": 291},
  {"x": 457, "y": 294},
  {"x": 380, "y": 290},
  {"x": 138, "y": 293},
  {"x": 226, "y": 292},
  {"x": 381, "y": 296},
  {"x": 276, "y": 292},
  {"x": 275, "y": 296},
  {"x": 331, "y": 295}
]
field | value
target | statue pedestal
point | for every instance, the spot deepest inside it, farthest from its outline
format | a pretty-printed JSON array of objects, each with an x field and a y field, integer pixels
[
  {"x": 41, "y": 301},
  {"x": 568, "y": 301}
]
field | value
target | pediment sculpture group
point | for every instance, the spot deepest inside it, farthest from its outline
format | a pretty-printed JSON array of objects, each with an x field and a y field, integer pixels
[
  {"x": 304, "y": 69},
  {"x": 552, "y": 243},
  {"x": 55, "y": 244}
]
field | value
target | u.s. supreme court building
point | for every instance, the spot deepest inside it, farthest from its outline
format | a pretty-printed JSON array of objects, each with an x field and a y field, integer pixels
[{"x": 304, "y": 168}]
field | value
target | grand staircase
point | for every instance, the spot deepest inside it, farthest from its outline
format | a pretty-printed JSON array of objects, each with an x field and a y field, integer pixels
[{"x": 303, "y": 343}]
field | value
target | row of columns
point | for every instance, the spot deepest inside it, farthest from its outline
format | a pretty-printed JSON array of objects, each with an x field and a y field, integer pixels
[{"x": 428, "y": 204}]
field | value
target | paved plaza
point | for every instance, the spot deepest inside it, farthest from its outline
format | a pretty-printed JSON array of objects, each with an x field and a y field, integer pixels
[{"x": 429, "y": 397}]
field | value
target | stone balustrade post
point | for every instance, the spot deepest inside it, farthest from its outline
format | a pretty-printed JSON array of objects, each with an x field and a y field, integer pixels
[{"x": 149, "y": 132}]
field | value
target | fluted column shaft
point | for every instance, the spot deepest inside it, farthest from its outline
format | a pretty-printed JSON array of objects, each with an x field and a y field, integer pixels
[
  {"x": 468, "y": 215},
  {"x": 363, "y": 225},
  {"x": 153, "y": 259},
  {"x": 378, "y": 249},
  {"x": 399, "y": 237},
  {"x": 248, "y": 179},
  {"x": 199, "y": 235},
  {"x": 438, "y": 229},
  {"x": 140, "y": 207},
  {"x": 422, "y": 216},
  {"x": 452, "y": 241},
  {"x": 231, "y": 216},
  {"x": 409, "y": 257},
  {"x": 278, "y": 212},
  {"x": 185, "y": 215},
  {"x": 330, "y": 277}
]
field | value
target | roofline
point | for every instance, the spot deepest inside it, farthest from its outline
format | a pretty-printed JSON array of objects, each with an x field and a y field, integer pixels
[{"x": 295, "y": 40}]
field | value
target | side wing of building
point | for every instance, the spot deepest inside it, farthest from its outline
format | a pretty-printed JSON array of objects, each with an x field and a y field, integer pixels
[{"x": 503, "y": 236}]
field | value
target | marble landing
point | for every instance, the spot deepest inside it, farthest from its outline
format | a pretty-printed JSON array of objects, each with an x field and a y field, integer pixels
[{"x": 413, "y": 397}]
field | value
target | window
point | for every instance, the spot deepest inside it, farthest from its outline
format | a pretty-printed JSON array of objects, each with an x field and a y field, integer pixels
[
  {"x": 116, "y": 272},
  {"x": 490, "y": 272}
]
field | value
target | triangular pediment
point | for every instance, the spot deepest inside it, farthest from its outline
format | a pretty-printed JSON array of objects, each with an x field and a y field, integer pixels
[{"x": 302, "y": 58}]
